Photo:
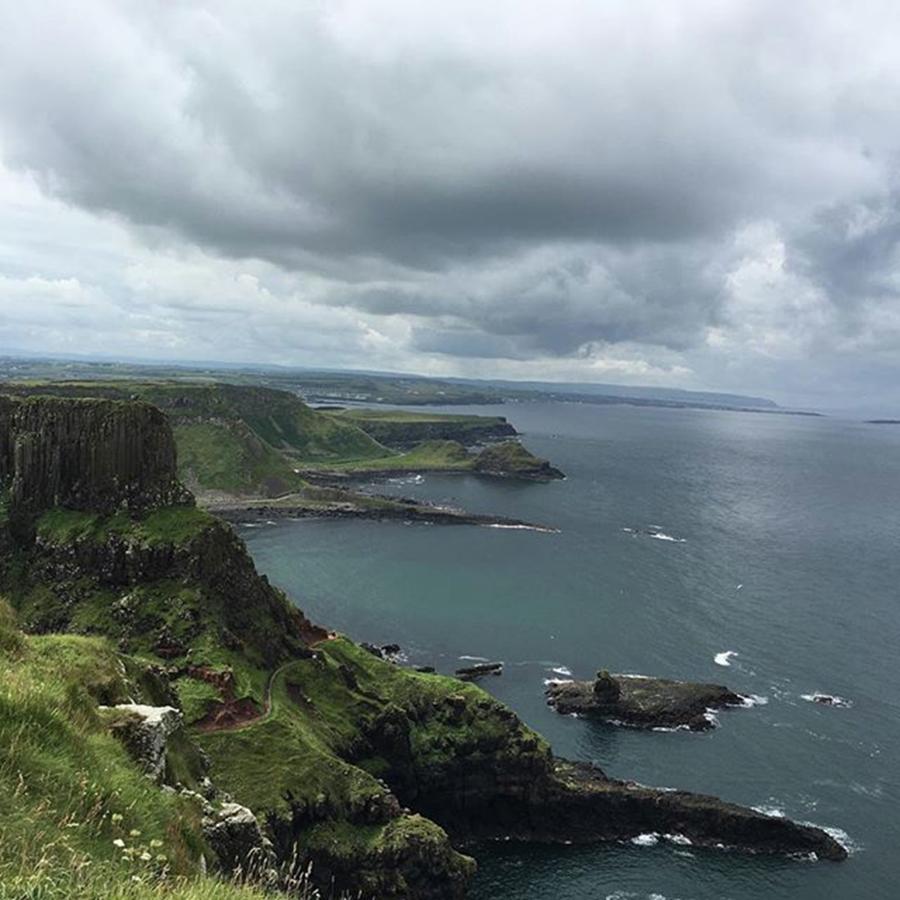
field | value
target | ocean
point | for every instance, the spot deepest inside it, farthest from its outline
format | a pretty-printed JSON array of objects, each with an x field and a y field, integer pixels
[{"x": 773, "y": 567}]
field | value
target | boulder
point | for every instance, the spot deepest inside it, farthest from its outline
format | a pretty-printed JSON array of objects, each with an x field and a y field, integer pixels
[
  {"x": 242, "y": 850},
  {"x": 145, "y": 732}
]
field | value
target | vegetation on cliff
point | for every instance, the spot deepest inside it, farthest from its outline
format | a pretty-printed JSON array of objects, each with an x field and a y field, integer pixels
[
  {"x": 364, "y": 771},
  {"x": 79, "y": 818},
  {"x": 253, "y": 441},
  {"x": 402, "y": 429}
]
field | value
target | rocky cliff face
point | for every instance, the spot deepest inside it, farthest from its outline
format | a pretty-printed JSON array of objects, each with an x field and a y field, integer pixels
[
  {"x": 96, "y": 455},
  {"x": 334, "y": 741}
]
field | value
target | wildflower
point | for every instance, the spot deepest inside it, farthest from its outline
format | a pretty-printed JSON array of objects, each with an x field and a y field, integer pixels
[
  {"x": 116, "y": 818},
  {"x": 156, "y": 843},
  {"x": 146, "y": 857},
  {"x": 134, "y": 833},
  {"x": 161, "y": 858},
  {"x": 118, "y": 842}
]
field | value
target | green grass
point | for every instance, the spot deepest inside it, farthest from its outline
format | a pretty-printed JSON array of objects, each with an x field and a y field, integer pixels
[
  {"x": 402, "y": 429},
  {"x": 230, "y": 438},
  {"x": 196, "y": 696},
  {"x": 80, "y": 820},
  {"x": 227, "y": 456},
  {"x": 168, "y": 525},
  {"x": 507, "y": 457},
  {"x": 68, "y": 789},
  {"x": 434, "y": 456},
  {"x": 320, "y": 715}
]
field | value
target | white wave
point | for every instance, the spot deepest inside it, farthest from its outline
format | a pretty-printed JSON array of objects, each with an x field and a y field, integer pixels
[
  {"x": 711, "y": 717},
  {"x": 251, "y": 524},
  {"x": 651, "y": 839},
  {"x": 773, "y": 812},
  {"x": 739, "y": 587},
  {"x": 474, "y": 658},
  {"x": 505, "y": 526},
  {"x": 550, "y": 681},
  {"x": 670, "y": 729},
  {"x": 841, "y": 836},
  {"x": 662, "y": 536},
  {"x": 750, "y": 700},
  {"x": 827, "y": 699},
  {"x": 407, "y": 479},
  {"x": 681, "y": 839},
  {"x": 724, "y": 658},
  {"x": 561, "y": 670}
]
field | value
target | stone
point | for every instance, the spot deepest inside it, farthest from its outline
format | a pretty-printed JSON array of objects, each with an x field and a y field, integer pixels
[
  {"x": 145, "y": 732},
  {"x": 242, "y": 850}
]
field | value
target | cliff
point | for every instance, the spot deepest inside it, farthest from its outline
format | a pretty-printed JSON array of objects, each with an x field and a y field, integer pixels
[
  {"x": 403, "y": 430},
  {"x": 86, "y": 454},
  {"x": 512, "y": 460},
  {"x": 367, "y": 776}
]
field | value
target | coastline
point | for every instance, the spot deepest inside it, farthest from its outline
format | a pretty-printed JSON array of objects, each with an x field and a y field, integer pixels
[{"x": 238, "y": 512}]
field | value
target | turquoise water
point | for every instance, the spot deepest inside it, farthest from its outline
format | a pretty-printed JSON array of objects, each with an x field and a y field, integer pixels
[{"x": 802, "y": 513}]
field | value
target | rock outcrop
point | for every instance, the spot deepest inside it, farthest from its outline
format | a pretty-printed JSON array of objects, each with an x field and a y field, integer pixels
[
  {"x": 243, "y": 852},
  {"x": 145, "y": 732},
  {"x": 510, "y": 459},
  {"x": 363, "y": 769},
  {"x": 96, "y": 455},
  {"x": 641, "y": 702}
]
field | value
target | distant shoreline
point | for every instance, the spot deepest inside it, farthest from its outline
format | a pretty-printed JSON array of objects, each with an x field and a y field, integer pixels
[{"x": 238, "y": 514}]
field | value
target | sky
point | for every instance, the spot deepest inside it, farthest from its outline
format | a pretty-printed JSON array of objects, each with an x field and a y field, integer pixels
[{"x": 688, "y": 194}]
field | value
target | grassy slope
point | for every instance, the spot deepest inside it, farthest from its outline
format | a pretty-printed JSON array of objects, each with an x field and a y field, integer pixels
[
  {"x": 242, "y": 440},
  {"x": 429, "y": 456},
  {"x": 318, "y": 715},
  {"x": 189, "y": 612},
  {"x": 169, "y": 525},
  {"x": 68, "y": 789},
  {"x": 252, "y": 441}
]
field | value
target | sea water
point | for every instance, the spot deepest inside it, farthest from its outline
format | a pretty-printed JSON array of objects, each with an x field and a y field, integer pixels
[{"x": 760, "y": 551}]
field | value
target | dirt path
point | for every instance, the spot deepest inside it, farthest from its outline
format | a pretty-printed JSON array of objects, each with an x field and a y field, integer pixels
[{"x": 257, "y": 719}]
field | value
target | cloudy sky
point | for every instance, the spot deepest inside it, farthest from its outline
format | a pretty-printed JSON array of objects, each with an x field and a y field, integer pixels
[{"x": 693, "y": 194}]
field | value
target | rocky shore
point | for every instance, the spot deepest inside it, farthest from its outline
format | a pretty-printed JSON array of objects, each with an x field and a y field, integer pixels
[
  {"x": 642, "y": 702},
  {"x": 280, "y": 737},
  {"x": 392, "y": 510}
]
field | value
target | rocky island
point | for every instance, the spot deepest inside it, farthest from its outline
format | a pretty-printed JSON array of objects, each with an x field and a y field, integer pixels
[
  {"x": 642, "y": 702},
  {"x": 185, "y": 718}
]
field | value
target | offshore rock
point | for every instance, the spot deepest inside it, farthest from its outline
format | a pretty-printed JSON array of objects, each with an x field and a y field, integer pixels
[
  {"x": 585, "y": 806},
  {"x": 471, "y": 673},
  {"x": 641, "y": 702}
]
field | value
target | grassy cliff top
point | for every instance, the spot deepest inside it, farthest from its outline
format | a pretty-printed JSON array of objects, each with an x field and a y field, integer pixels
[{"x": 79, "y": 818}]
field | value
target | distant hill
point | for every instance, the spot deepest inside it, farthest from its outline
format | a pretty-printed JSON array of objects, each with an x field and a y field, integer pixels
[
  {"x": 634, "y": 392},
  {"x": 233, "y": 438},
  {"x": 325, "y": 385}
]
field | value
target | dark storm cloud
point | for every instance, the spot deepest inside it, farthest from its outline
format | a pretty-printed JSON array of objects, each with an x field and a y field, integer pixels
[{"x": 513, "y": 181}]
